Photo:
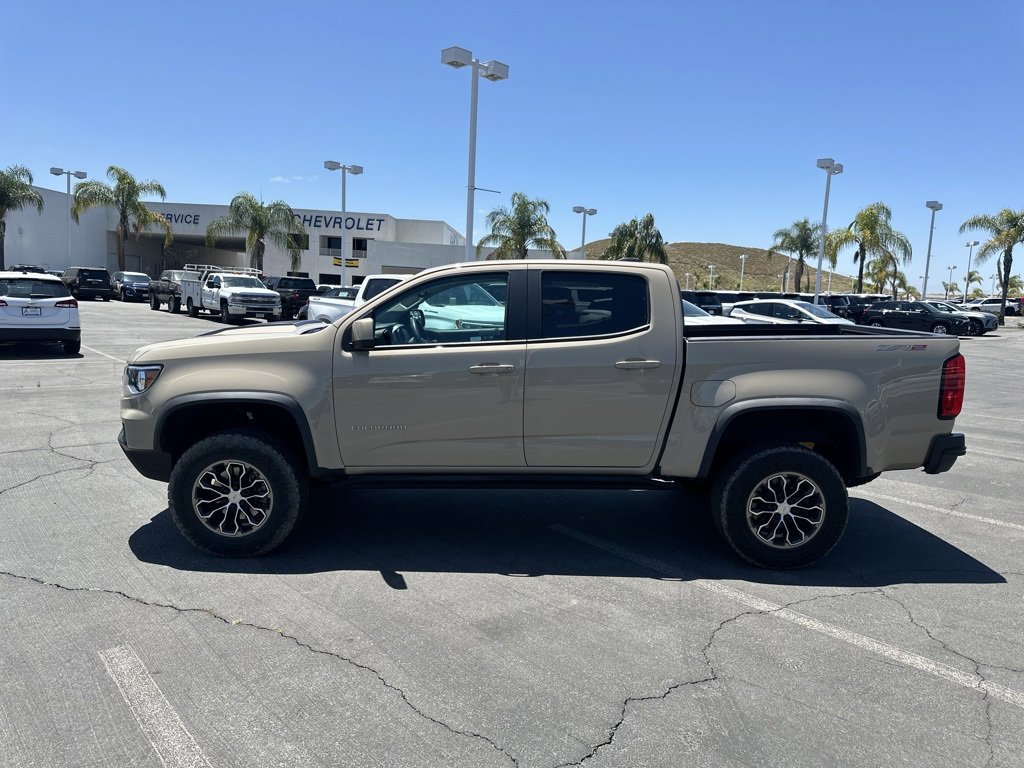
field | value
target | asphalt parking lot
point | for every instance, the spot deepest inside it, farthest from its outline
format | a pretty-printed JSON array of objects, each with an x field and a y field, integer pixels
[{"x": 479, "y": 628}]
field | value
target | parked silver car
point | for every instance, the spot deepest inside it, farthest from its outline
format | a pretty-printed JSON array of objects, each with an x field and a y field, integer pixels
[{"x": 785, "y": 312}]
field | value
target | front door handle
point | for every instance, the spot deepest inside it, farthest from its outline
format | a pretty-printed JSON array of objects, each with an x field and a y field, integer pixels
[
  {"x": 634, "y": 365},
  {"x": 491, "y": 368}
]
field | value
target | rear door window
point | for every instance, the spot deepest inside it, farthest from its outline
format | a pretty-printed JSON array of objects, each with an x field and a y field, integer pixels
[
  {"x": 27, "y": 288},
  {"x": 590, "y": 304}
]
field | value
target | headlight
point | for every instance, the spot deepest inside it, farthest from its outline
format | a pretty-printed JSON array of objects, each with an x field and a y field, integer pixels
[{"x": 138, "y": 378}]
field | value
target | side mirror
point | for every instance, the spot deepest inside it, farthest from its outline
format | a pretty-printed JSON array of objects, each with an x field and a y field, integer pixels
[{"x": 362, "y": 334}]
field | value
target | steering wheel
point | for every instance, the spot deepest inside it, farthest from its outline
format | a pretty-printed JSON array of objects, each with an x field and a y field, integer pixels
[
  {"x": 400, "y": 334},
  {"x": 417, "y": 324}
]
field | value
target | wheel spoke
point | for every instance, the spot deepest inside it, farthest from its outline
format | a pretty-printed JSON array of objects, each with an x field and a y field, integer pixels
[
  {"x": 786, "y": 510},
  {"x": 232, "y": 498}
]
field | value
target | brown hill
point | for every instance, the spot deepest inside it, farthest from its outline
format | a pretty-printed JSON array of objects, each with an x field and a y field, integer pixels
[{"x": 761, "y": 273}]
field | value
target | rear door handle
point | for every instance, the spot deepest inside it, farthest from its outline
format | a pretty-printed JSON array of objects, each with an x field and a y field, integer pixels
[
  {"x": 491, "y": 368},
  {"x": 633, "y": 365}
]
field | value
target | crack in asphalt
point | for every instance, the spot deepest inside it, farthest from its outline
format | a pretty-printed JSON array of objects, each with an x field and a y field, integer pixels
[
  {"x": 713, "y": 677},
  {"x": 280, "y": 633},
  {"x": 949, "y": 649}
]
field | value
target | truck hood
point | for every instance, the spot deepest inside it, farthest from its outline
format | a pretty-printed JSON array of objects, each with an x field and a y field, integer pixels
[{"x": 256, "y": 336}]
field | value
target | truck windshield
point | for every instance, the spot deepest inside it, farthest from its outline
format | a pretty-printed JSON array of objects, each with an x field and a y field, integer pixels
[{"x": 241, "y": 281}]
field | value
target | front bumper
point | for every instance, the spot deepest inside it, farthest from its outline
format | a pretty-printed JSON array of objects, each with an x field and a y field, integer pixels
[
  {"x": 254, "y": 310},
  {"x": 156, "y": 465},
  {"x": 943, "y": 452}
]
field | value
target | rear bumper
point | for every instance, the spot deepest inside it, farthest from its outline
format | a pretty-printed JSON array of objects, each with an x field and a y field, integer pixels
[
  {"x": 40, "y": 334},
  {"x": 943, "y": 452},
  {"x": 156, "y": 465}
]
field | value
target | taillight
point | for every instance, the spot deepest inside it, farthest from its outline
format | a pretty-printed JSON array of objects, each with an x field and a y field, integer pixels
[
  {"x": 951, "y": 392},
  {"x": 67, "y": 303}
]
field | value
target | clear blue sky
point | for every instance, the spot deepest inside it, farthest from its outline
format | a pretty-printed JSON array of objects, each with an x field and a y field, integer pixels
[{"x": 708, "y": 115}]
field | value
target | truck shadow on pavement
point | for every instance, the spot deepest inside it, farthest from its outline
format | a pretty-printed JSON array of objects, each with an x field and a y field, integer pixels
[{"x": 524, "y": 533}]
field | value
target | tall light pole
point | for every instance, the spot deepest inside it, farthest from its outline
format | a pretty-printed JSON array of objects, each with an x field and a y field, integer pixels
[
  {"x": 711, "y": 277},
  {"x": 992, "y": 288},
  {"x": 491, "y": 70},
  {"x": 970, "y": 252},
  {"x": 687, "y": 276},
  {"x": 782, "y": 285},
  {"x": 831, "y": 168},
  {"x": 949, "y": 282},
  {"x": 78, "y": 175},
  {"x": 586, "y": 212},
  {"x": 935, "y": 206},
  {"x": 743, "y": 263},
  {"x": 355, "y": 170}
]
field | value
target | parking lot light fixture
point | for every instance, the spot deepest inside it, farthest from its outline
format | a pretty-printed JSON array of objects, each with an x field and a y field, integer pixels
[
  {"x": 949, "y": 282},
  {"x": 935, "y": 206},
  {"x": 490, "y": 70},
  {"x": 711, "y": 277},
  {"x": 743, "y": 262},
  {"x": 831, "y": 168},
  {"x": 355, "y": 170},
  {"x": 583, "y": 240},
  {"x": 970, "y": 251},
  {"x": 687, "y": 276},
  {"x": 78, "y": 175},
  {"x": 782, "y": 285}
]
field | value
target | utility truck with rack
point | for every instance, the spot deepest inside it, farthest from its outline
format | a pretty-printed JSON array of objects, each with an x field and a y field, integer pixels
[
  {"x": 230, "y": 292},
  {"x": 588, "y": 376}
]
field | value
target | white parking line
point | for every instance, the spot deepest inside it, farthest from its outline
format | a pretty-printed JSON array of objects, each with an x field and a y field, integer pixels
[
  {"x": 891, "y": 652},
  {"x": 943, "y": 510},
  {"x": 972, "y": 450},
  {"x": 156, "y": 717},
  {"x": 111, "y": 357}
]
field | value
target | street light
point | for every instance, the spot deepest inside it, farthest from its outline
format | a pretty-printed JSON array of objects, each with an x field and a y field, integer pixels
[
  {"x": 586, "y": 212},
  {"x": 491, "y": 70},
  {"x": 949, "y": 282},
  {"x": 355, "y": 170},
  {"x": 970, "y": 251},
  {"x": 782, "y": 285},
  {"x": 687, "y": 276},
  {"x": 78, "y": 175},
  {"x": 711, "y": 277},
  {"x": 992, "y": 288},
  {"x": 743, "y": 262},
  {"x": 934, "y": 205},
  {"x": 831, "y": 168}
]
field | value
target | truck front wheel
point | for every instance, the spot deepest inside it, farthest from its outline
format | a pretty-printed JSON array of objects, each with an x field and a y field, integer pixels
[
  {"x": 225, "y": 315},
  {"x": 780, "y": 506},
  {"x": 235, "y": 495}
]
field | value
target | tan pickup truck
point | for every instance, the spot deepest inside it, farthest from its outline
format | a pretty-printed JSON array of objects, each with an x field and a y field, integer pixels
[{"x": 589, "y": 376}]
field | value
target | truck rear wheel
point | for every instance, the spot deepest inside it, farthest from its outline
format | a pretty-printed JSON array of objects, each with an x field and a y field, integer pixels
[
  {"x": 235, "y": 495},
  {"x": 174, "y": 305},
  {"x": 192, "y": 310},
  {"x": 780, "y": 506},
  {"x": 154, "y": 302}
]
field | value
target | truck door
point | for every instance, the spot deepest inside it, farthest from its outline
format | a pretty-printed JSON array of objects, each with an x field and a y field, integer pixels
[
  {"x": 600, "y": 369},
  {"x": 211, "y": 292},
  {"x": 425, "y": 398}
]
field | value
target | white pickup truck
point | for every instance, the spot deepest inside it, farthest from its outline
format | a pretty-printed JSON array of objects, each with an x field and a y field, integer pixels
[
  {"x": 330, "y": 308},
  {"x": 231, "y": 293}
]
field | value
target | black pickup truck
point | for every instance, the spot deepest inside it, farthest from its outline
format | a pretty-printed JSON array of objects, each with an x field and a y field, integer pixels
[
  {"x": 167, "y": 290},
  {"x": 294, "y": 291}
]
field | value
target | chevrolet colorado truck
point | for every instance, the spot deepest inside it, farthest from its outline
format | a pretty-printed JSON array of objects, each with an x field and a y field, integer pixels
[{"x": 592, "y": 378}]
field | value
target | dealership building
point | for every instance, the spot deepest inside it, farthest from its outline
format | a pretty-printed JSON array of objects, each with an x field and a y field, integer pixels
[{"x": 374, "y": 243}]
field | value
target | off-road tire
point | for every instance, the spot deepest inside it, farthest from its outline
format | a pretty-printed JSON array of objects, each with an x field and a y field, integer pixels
[
  {"x": 265, "y": 458},
  {"x": 795, "y": 472},
  {"x": 225, "y": 315}
]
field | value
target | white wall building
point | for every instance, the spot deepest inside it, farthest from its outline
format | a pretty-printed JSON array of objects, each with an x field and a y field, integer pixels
[{"x": 408, "y": 244}]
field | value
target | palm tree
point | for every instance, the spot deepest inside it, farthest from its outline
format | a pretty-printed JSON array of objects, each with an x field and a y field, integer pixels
[
  {"x": 872, "y": 233},
  {"x": 15, "y": 193},
  {"x": 274, "y": 221},
  {"x": 799, "y": 240},
  {"x": 637, "y": 241},
  {"x": 972, "y": 277},
  {"x": 123, "y": 196},
  {"x": 884, "y": 271},
  {"x": 517, "y": 229},
  {"x": 951, "y": 288},
  {"x": 1006, "y": 229}
]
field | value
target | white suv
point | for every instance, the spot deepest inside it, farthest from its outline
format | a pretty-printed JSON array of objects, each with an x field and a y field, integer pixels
[{"x": 38, "y": 307}]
